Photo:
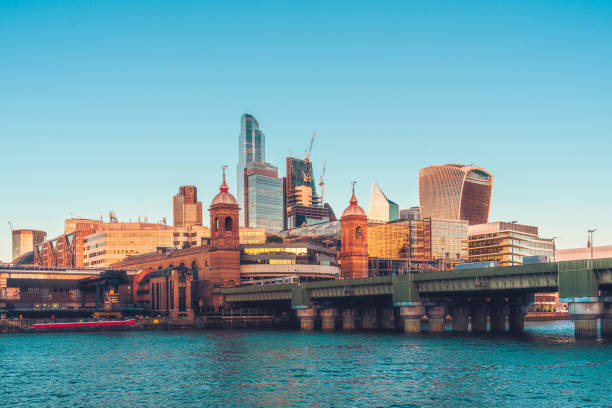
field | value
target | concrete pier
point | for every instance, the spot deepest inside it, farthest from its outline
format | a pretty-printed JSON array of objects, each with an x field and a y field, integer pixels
[
  {"x": 499, "y": 311},
  {"x": 328, "y": 318},
  {"x": 516, "y": 318},
  {"x": 369, "y": 319},
  {"x": 606, "y": 320},
  {"x": 460, "y": 315},
  {"x": 585, "y": 315},
  {"x": 480, "y": 311},
  {"x": 437, "y": 315},
  {"x": 307, "y": 317},
  {"x": 348, "y": 319},
  {"x": 387, "y": 319},
  {"x": 412, "y": 316}
]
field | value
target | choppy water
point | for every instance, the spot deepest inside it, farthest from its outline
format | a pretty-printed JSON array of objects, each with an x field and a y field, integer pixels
[{"x": 545, "y": 367}]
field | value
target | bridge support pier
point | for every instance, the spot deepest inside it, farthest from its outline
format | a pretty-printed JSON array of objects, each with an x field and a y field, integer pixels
[
  {"x": 437, "y": 315},
  {"x": 498, "y": 316},
  {"x": 369, "y": 318},
  {"x": 516, "y": 318},
  {"x": 585, "y": 315},
  {"x": 412, "y": 316},
  {"x": 606, "y": 321},
  {"x": 387, "y": 319},
  {"x": 348, "y": 319},
  {"x": 460, "y": 315},
  {"x": 328, "y": 318},
  {"x": 307, "y": 318},
  {"x": 480, "y": 311}
]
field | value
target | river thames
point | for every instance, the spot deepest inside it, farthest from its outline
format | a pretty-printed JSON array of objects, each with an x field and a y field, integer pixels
[{"x": 545, "y": 366}]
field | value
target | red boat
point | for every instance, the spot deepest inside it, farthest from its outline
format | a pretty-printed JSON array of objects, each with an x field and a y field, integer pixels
[{"x": 101, "y": 324}]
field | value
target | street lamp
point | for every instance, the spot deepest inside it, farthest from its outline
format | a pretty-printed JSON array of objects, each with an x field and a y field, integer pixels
[
  {"x": 512, "y": 240},
  {"x": 591, "y": 231}
]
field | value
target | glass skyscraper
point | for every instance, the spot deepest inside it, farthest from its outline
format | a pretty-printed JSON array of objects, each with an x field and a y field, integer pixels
[
  {"x": 251, "y": 149},
  {"x": 381, "y": 208},
  {"x": 263, "y": 200},
  {"x": 260, "y": 191}
]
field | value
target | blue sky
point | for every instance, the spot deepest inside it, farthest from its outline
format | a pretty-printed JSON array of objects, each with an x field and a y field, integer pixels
[{"x": 113, "y": 105}]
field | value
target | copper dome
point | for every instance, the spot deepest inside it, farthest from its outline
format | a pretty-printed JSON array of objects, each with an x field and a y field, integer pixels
[
  {"x": 353, "y": 208},
  {"x": 224, "y": 197}
]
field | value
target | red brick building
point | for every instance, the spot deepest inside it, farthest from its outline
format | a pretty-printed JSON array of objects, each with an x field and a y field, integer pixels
[{"x": 354, "y": 241}]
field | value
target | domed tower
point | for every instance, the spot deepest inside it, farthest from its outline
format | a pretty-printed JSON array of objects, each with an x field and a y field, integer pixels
[
  {"x": 224, "y": 238},
  {"x": 354, "y": 241}
]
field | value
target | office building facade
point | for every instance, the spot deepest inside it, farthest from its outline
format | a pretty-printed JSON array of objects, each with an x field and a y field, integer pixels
[
  {"x": 455, "y": 191},
  {"x": 263, "y": 197},
  {"x": 381, "y": 208},
  {"x": 187, "y": 210},
  {"x": 24, "y": 241},
  {"x": 506, "y": 243}
]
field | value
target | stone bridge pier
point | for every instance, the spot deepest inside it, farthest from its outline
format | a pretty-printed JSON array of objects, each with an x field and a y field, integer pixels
[
  {"x": 307, "y": 318},
  {"x": 328, "y": 318},
  {"x": 412, "y": 315},
  {"x": 585, "y": 313},
  {"x": 437, "y": 318}
]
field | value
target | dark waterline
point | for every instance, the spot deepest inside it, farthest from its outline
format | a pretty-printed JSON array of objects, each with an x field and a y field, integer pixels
[{"x": 544, "y": 367}]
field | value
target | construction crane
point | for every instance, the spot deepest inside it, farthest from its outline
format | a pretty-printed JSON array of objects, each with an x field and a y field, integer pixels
[
  {"x": 307, "y": 158},
  {"x": 322, "y": 183},
  {"x": 11, "y": 225}
]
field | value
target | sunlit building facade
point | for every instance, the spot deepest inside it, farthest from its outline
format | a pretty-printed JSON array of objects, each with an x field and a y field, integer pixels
[
  {"x": 455, "y": 191},
  {"x": 506, "y": 243},
  {"x": 381, "y": 208},
  {"x": 449, "y": 241},
  {"x": 187, "y": 210},
  {"x": 24, "y": 241}
]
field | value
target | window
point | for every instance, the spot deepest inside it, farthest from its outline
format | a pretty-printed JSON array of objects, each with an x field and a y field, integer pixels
[
  {"x": 359, "y": 233},
  {"x": 228, "y": 223}
]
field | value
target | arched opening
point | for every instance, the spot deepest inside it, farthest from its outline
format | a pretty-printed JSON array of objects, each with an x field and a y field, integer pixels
[
  {"x": 229, "y": 223},
  {"x": 359, "y": 233},
  {"x": 216, "y": 226},
  {"x": 194, "y": 270}
]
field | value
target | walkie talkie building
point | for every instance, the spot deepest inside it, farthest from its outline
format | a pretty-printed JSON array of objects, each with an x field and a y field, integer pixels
[{"x": 455, "y": 191}]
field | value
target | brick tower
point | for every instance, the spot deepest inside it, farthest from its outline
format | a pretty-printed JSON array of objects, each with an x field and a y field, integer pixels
[
  {"x": 354, "y": 241},
  {"x": 224, "y": 238}
]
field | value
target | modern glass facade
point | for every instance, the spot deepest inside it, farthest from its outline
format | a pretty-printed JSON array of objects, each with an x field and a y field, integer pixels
[
  {"x": 265, "y": 203},
  {"x": 506, "y": 243},
  {"x": 449, "y": 241},
  {"x": 455, "y": 191},
  {"x": 302, "y": 204},
  {"x": 287, "y": 254},
  {"x": 381, "y": 208},
  {"x": 251, "y": 148}
]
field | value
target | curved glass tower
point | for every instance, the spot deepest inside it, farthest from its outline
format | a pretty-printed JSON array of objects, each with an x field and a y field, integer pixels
[{"x": 455, "y": 191}]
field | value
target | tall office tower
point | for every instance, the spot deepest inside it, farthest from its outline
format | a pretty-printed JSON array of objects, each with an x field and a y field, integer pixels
[
  {"x": 187, "y": 208},
  {"x": 24, "y": 241},
  {"x": 455, "y": 191},
  {"x": 263, "y": 197},
  {"x": 252, "y": 149},
  {"x": 302, "y": 205},
  {"x": 381, "y": 208}
]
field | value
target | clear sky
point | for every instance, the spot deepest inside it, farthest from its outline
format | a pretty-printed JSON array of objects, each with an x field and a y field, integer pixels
[{"x": 113, "y": 104}]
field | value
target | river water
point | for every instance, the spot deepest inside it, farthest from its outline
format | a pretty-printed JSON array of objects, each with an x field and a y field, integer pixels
[{"x": 544, "y": 367}]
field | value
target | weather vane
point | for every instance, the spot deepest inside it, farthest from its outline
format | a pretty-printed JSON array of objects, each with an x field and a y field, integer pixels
[
  {"x": 353, "y": 184},
  {"x": 223, "y": 169}
]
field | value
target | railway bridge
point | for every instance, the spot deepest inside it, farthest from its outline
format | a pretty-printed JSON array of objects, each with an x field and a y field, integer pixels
[{"x": 499, "y": 295}]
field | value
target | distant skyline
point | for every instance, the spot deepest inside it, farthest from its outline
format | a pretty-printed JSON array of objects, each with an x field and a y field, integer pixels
[{"x": 114, "y": 105}]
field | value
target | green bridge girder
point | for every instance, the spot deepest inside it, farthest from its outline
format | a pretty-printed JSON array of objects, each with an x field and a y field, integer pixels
[{"x": 572, "y": 279}]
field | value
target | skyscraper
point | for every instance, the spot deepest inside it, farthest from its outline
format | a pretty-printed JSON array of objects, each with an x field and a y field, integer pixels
[
  {"x": 187, "y": 210},
  {"x": 455, "y": 191},
  {"x": 381, "y": 208},
  {"x": 251, "y": 148},
  {"x": 302, "y": 204},
  {"x": 263, "y": 197}
]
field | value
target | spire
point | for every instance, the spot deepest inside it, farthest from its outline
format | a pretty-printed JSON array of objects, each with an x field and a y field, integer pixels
[
  {"x": 224, "y": 188},
  {"x": 353, "y": 198}
]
